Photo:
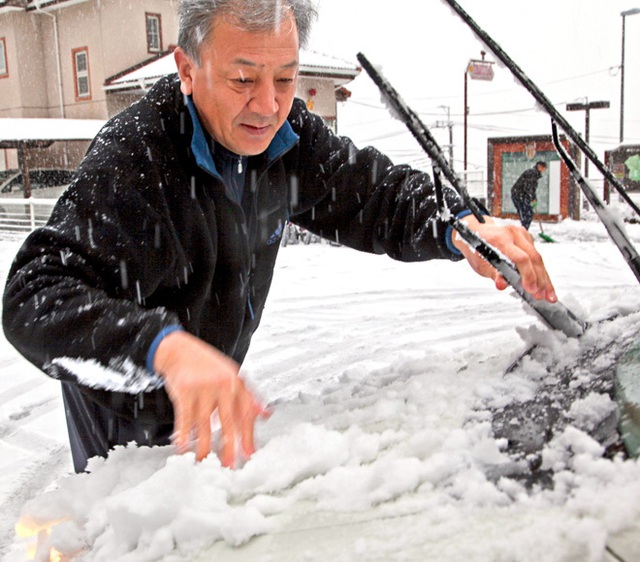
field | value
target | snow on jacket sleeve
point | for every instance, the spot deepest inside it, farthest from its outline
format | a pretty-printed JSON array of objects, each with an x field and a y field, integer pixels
[
  {"x": 74, "y": 296},
  {"x": 371, "y": 205}
]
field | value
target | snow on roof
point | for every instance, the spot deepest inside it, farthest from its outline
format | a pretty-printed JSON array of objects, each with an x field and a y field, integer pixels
[
  {"x": 313, "y": 60},
  {"x": 311, "y": 64},
  {"x": 144, "y": 75},
  {"x": 46, "y": 5},
  {"x": 34, "y": 129},
  {"x": 6, "y": 7}
]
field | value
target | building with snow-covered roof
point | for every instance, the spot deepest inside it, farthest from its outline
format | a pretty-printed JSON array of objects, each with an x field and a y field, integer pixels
[{"x": 89, "y": 59}]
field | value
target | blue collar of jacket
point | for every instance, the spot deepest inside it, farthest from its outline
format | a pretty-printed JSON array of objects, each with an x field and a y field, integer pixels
[{"x": 284, "y": 140}]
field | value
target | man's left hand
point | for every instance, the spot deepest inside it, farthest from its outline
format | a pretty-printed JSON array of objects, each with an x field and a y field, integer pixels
[{"x": 517, "y": 245}]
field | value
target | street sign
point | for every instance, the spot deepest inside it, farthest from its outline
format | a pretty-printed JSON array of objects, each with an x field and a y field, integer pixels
[
  {"x": 480, "y": 70},
  {"x": 590, "y": 105}
]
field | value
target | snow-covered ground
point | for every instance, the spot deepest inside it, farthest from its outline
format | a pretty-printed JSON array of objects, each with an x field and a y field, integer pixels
[{"x": 375, "y": 371}]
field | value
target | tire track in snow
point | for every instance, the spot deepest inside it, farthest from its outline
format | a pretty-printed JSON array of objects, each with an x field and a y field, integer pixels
[
  {"x": 349, "y": 319},
  {"x": 15, "y": 428},
  {"x": 21, "y": 389},
  {"x": 318, "y": 337},
  {"x": 9, "y": 361}
]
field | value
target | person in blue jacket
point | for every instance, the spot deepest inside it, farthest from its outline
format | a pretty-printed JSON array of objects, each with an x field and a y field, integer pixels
[
  {"x": 523, "y": 193},
  {"x": 142, "y": 292}
]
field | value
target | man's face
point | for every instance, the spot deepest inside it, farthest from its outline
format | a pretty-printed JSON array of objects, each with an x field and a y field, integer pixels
[{"x": 245, "y": 84}]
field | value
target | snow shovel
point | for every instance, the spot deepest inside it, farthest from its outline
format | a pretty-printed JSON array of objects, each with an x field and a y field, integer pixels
[{"x": 542, "y": 235}]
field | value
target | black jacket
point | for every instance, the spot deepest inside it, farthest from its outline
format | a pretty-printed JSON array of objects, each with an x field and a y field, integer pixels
[
  {"x": 526, "y": 185},
  {"x": 145, "y": 238}
]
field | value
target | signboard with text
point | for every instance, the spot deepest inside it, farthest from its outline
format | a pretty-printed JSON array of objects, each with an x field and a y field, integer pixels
[{"x": 480, "y": 70}]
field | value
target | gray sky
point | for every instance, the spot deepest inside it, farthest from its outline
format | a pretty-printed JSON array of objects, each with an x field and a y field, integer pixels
[{"x": 570, "y": 48}]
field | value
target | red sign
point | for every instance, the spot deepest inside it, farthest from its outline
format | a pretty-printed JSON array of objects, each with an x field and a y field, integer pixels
[{"x": 480, "y": 70}]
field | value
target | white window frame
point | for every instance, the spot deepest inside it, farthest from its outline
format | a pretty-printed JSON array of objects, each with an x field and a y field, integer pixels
[
  {"x": 4, "y": 67},
  {"x": 81, "y": 76},
  {"x": 153, "y": 26}
]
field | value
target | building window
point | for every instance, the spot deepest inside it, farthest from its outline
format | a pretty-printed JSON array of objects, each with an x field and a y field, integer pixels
[
  {"x": 154, "y": 33},
  {"x": 4, "y": 68},
  {"x": 81, "y": 73}
]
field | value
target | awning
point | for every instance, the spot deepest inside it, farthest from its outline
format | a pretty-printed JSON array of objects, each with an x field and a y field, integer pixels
[
  {"x": 37, "y": 5},
  {"x": 22, "y": 134},
  {"x": 16, "y": 132}
]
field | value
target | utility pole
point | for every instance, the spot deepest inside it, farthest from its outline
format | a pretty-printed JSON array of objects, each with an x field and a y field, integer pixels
[
  {"x": 449, "y": 125},
  {"x": 476, "y": 70},
  {"x": 587, "y": 107}
]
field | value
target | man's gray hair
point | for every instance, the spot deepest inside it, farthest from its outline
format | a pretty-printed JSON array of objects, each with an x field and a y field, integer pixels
[{"x": 255, "y": 16}]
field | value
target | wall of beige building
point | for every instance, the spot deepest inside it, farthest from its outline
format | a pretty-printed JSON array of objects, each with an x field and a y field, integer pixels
[
  {"x": 124, "y": 24},
  {"x": 10, "y": 96},
  {"x": 31, "y": 88},
  {"x": 113, "y": 32},
  {"x": 21, "y": 93},
  {"x": 323, "y": 101},
  {"x": 115, "y": 36}
]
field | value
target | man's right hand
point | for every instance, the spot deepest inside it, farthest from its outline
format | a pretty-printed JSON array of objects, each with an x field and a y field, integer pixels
[{"x": 200, "y": 379}]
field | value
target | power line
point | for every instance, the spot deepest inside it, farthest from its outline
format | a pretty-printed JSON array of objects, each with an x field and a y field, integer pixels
[
  {"x": 415, "y": 100},
  {"x": 515, "y": 87}
]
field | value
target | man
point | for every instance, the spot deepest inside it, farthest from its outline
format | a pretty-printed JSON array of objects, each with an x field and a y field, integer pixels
[
  {"x": 523, "y": 193},
  {"x": 143, "y": 291}
]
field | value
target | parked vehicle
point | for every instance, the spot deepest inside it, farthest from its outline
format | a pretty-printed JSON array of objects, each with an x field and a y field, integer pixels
[{"x": 46, "y": 182}]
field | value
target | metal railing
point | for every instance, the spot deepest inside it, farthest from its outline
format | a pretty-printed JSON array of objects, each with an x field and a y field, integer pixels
[{"x": 20, "y": 215}]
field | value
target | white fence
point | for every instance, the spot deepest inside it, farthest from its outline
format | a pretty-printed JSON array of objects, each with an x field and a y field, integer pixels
[
  {"x": 19, "y": 216},
  {"x": 23, "y": 215}
]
